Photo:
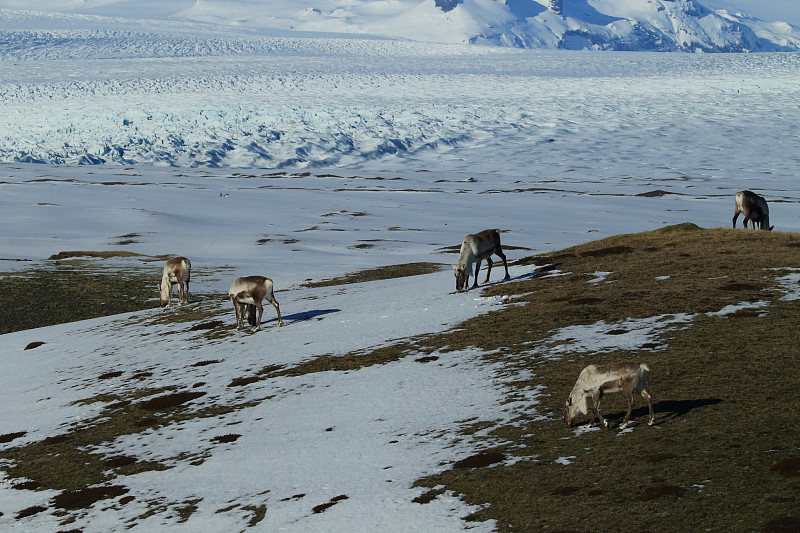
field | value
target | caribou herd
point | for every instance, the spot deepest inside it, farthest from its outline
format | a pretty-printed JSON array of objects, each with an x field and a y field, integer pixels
[{"x": 248, "y": 293}]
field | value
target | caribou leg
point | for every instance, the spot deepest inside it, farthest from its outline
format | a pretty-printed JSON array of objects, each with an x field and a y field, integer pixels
[
  {"x": 629, "y": 396},
  {"x": 260, "y": 312},
  {"x": 277, "y": 307},
  {"x": 646, "y": 396},
  {"x": 596, "y": 399},
  {"x": 236, "y": 310},
  {"x": 477, "y": 270},
  {"x": 502, "y": 256}
]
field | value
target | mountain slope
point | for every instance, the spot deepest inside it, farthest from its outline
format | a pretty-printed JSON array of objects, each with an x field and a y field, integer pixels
[
  {"x": 643, "y": 25},
  {"x": 654, "y": 25}
]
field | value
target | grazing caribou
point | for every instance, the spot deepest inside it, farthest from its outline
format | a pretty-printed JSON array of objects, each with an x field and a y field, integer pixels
[
  {"x": 474, "y": 249},
  {"x": 177, "y": 270},
  {"x": 596, "y": 380},
  {"x": 246, "y": 295},
  {"x": 754, "y": 208}
]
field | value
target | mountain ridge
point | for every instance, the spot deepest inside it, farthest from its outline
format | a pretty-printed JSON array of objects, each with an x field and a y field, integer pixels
[
  {"x": 622, "y": 25},
  {"x": 631, "y": 25}
]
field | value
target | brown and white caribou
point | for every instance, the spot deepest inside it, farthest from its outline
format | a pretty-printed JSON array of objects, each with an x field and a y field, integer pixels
[
  {"x": 177, "y": 270},
  {"x": 596, "y": 380},
  {"x": 474, "y": 249},
  {"x": 754, "y": 208},
  {"x": 246, "y": 295}
]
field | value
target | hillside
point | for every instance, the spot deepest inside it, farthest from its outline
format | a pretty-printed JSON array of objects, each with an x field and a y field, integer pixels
[{"x": 712, "y": 311}]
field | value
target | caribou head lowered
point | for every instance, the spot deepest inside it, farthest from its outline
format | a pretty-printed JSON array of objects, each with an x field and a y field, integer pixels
[
  {"x": 246, "y": 294},
  {"x": 474, "y": 249},
  {"x": 754, "y": 208},
  {"x": 596, "y": 380},
  {"x": 177, "y": 270}
]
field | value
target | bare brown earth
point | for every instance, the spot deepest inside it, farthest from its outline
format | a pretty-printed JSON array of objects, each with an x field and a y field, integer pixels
[
  {"x": 724, "y": 454},
  {"x": 378, "y": 273},
  {"x": 69, "y": 286}
]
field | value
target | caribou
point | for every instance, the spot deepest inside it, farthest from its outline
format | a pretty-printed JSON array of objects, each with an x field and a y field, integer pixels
[
  {"x": 754, "y": 208},
  {"x": 474, "y": 249},
  {"x": 177, "y": 270},
  {"x": 596, "y": 380},
  {"x": 246, "y": 295}
]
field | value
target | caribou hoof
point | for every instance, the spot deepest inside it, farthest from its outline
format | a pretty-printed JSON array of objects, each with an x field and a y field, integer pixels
[
  {"x": 605, "y": 423},
  {"x": 653, "y": 421},
  {"x": 255, "y": 329},
  {"x": 623, "y": 426}
]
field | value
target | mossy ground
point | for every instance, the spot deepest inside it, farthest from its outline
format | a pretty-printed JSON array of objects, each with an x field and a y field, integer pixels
[{"x": 724, "y": 391}]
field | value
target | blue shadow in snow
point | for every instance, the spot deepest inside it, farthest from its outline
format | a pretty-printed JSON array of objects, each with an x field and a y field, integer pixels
[
  {"x": 581, "y": 10},
  {"x": 537, "y": 272},
  {"x": 525, "y": 8},
  {"x": 299, "y": 317}
]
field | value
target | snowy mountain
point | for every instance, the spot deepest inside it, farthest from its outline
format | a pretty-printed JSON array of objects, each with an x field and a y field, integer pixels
[
  {"x": 653, "y": 25},
  {"x": 645, "y": 25}
]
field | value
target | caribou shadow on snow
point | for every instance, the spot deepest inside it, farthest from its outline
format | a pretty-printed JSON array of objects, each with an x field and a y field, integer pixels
[{"x": 307, "y": 315}]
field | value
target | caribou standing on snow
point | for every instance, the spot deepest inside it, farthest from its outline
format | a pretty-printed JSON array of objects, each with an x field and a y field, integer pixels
[
  {"x": 596, "y": 380},
  {"x": 246, "y": 295},
  {"x": 474, "y": 249},
  {"x": 754, "y": 208},
  {"x": 177, "y": 270}
]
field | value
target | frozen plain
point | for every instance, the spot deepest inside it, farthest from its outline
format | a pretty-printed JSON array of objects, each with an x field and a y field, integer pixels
[{"x": 339, "y": 154}]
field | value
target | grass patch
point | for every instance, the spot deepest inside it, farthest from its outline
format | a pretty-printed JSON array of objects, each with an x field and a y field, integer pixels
[
  {"x": 211, "y": 324},
  {"x": 258, "y": 512},
  {"x": 379, "y": 273},
  {"x": 30, "y": 511},
  {"x": 206, "y": 362},
  {"x": 64, "y": 293},
  {"x": 65, "y": 462},
  {"x": 98, "y": 255},
  {"x": 170, "y": 401},
  {"x": 85, "y": 497},
  {"x": 321, "y": 508},
  {"x": 480, "y": 460},
  {"x": 223, "y": 439},
  {"x": 186, "y": 509},
  {"x": 344, "y": 363},
  {"x": 80, "y": 288}
]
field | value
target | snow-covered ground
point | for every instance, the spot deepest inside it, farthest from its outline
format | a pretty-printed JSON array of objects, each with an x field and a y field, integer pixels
[{"x": 304, "y": 158}]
